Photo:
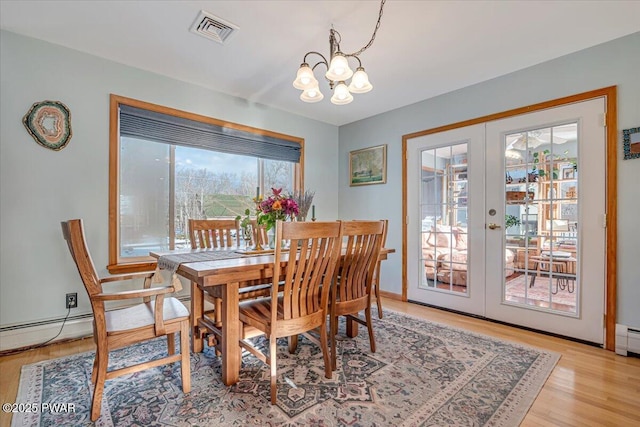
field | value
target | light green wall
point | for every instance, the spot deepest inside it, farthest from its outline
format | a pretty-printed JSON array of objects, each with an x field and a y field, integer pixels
[
  {"x": 613, "y": 63},
  {"x": 39, "y": 187}
]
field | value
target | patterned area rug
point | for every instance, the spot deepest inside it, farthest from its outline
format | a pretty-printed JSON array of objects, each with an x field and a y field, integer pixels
[{"x": 422, "y": 374}]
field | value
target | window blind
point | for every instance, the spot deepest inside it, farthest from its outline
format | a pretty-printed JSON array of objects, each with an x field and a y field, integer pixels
[{"x": 159, "y": 127}]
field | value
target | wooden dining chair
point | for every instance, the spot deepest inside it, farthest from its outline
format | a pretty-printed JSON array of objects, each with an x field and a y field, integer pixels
[
  {"x": 376, "y": 277},
  {"x": 112, "y": 329},
  {"x": 375, "y": 287},
  {"x": 301, "y": 306},
  {"x": 218, "y": 233},
  {"x": 214, "y": 233},
  {"x": 351, "y": 292}
]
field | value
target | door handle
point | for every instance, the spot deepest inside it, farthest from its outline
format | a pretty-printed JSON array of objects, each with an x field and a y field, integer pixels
[{"x": 492, "y": 226}]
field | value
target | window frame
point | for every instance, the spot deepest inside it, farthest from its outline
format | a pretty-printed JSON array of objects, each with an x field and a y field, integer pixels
[{"x": 116, "y": 263}]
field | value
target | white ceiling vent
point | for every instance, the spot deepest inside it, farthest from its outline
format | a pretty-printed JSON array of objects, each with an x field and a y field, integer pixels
[{"x": 212, "y": 27}]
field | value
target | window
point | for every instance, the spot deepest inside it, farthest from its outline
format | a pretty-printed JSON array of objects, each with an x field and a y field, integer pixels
[{"x": 167, "y": 166}]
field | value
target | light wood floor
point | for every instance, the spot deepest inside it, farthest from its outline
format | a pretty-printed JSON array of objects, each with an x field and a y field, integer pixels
[{"x": 588, "y": 387}]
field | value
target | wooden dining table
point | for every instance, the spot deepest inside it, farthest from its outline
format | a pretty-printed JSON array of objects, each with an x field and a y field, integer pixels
[{"x": 229, "y": 275}]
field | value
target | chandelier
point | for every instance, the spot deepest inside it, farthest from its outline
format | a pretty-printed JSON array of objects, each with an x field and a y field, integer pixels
[{"x": 338, "y": 71}]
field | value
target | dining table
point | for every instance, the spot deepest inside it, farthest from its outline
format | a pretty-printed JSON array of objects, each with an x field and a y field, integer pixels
[{"x": 228, "y": 269}]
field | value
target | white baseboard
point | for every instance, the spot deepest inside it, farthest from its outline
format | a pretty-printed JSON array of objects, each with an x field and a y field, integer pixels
[
  {"x": 33, "y": 335},
  {"x": 73, "y": 328}
]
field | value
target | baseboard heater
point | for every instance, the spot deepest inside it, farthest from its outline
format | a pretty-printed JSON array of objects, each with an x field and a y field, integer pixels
[
  {"x": 627, "y": 340},
  {"x": 34, "y": 333}
]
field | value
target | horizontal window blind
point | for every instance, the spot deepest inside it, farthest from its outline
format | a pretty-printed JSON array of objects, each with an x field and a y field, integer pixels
[{"x": 159, "y": 127}]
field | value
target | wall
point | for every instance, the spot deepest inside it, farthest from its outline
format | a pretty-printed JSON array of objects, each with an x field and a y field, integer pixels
[
  {"x": 40, "y": 187},
  {"x": 613, "y": 63}
]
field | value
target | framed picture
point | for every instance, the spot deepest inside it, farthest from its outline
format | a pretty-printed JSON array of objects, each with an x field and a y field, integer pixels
[
  {"x": 568, "y": 173},
  {"x": 368, "y": 166},
  {"x": 631, "y": 143}
]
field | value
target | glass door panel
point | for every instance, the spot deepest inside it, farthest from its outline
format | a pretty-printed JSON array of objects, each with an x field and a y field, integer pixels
[
  {"x": 444, "y": 218},
  {"x": 541, "y": 205},
  {"x": 445, "y": 199}
]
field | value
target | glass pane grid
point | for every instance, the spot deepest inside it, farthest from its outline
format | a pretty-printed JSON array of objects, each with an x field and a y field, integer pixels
[{"x": 541, "y": 207}]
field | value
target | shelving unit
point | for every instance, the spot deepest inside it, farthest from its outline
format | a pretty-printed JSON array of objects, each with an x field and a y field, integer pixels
[
  {"x": 549, "y": 201},
  {"x": 457, "y": 193}
]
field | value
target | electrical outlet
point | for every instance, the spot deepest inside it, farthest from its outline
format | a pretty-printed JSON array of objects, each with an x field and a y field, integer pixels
[{"x": 72, "y": 300}]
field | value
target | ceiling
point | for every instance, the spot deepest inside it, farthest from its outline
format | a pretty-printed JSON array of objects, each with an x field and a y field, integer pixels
[{"x": 422, "y": 49}]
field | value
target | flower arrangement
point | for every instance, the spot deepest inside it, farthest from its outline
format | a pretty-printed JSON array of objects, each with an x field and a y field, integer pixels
[{"x": 275, "y": 207}]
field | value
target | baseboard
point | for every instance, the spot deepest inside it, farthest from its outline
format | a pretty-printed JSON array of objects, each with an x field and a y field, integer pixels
[
  {"x": 33, "y": 335},
  {"x": 391, "y": 295},
  {"x": 26, "y": 335}
]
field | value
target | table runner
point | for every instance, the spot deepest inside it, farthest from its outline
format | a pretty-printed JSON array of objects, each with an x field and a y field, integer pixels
[{"x": 172, "y": 262}]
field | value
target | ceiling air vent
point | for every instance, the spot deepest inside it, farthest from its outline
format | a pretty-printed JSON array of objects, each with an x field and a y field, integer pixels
[{"x": 212, "y": 27}]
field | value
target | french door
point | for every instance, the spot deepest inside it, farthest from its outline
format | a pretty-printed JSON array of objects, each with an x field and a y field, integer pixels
[
  {"x": 499, "y": 225},
  {"x": 445, "y": 177}
]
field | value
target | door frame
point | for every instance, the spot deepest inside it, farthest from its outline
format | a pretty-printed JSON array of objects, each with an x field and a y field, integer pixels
[{"x": 611, "y": 123}]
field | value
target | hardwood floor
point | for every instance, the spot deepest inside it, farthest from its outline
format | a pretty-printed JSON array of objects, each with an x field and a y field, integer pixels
[{"x": 588, "y": 387}]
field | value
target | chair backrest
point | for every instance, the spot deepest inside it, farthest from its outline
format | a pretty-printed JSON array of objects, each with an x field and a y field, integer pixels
[
  {"x": 363, "y": 241},
  {"x": 73, "y": 232},
  {"x": 214, "y": 233},
  {"x": 305, "y": 283}
]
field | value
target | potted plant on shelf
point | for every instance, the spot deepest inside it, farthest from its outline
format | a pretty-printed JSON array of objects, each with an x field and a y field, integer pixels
[
  {"x": 511, "y": 221},
  {"x": 540, "y": 157}
]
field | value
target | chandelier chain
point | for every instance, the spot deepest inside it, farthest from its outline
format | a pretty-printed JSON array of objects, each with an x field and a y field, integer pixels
[{"x": 373, "y": 36}]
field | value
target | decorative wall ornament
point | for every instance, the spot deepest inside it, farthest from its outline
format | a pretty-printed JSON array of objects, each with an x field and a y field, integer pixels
[
  {"x": 631, "y": 143},
  {"x": 49, "y": 123}
]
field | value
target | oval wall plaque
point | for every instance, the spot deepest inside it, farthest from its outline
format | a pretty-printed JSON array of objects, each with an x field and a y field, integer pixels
[{"x": 49, "y": 123}]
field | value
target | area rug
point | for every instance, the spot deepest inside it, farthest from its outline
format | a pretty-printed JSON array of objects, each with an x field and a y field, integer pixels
[
  {"x": 422, "y": 374},
  {"x": 542, "y": 292}
]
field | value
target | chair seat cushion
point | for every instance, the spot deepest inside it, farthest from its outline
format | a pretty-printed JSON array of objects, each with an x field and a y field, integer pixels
[{"x": 141, "y": 315}]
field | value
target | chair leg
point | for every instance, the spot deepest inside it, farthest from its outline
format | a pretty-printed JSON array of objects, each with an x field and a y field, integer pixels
[
  {"x": 102, "y": 356},
  {"x": 185, "y": 361},
  {"x": 328, "y": 367},
  {"x": 378, "y": 299},
  {"x": 372, "y": 342},
  {"x": 333, "y": 330},
  {"x": 94, "y": 371},
  {"x": 293, "y": 343},
  {"x": 171, "y": 344},
  {"x": 272, "y": 364},
  {"x": 218, "y": 312}
]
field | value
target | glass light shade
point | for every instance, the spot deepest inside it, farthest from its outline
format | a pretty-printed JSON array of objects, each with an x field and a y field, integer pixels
[
  {"x": 339, "y": 68},
  {"x": 312, "y": 94},
  {"x": 341, "y": 95},
  {"x": 360, "y": 82},
  {"x": 305, "y": 79}
]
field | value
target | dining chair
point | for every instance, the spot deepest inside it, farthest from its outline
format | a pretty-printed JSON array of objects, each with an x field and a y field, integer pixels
[
  {"x": 219, "y": 233},
  {"x": 351, "y": 291},
  {"x": 211, "y": 234},
  {"x": 214, "y": 233},
  {"x": 301, "y": 306},
  {"x": 375, "y": 287},
  {"x": 161, "y": 316}
]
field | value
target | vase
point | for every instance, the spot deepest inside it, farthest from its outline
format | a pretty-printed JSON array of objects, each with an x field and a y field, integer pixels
[{"x": 271, "y": 237}]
